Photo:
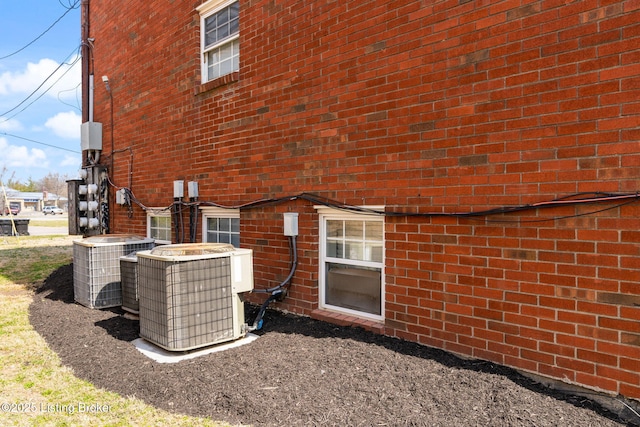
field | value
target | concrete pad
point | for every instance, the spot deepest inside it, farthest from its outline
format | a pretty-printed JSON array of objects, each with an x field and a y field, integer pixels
[{"x": 161, "y": 355}]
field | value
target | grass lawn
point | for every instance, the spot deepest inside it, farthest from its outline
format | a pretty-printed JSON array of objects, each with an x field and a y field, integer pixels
[
  {"x": 35, "y": 388},
  {"x": 34, "y": 222}
]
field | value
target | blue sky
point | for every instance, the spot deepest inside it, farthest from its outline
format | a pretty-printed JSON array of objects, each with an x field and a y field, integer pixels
[{"x": 40, "y": 92}]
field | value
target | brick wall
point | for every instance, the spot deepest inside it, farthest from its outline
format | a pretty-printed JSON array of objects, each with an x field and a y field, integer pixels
[
  {"x": 553, "y": 297},
  {"x": 420, "y": 106}
]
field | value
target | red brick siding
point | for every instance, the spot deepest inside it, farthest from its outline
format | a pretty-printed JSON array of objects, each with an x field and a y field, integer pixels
[{"x": 430, "y": 106}]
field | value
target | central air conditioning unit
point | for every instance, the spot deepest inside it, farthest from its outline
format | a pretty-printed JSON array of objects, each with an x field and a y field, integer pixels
[
  {"x": 189, "y": 294},
  {"x": 96, "y": 267}
]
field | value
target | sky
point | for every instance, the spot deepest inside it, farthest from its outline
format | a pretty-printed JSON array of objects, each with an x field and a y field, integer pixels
[{"x": 40, "y": 89}]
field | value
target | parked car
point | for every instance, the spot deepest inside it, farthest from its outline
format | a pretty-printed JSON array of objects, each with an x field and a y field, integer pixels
[
  {"x": 52, "y": 210},
  {"x": 13, "y": 209}
]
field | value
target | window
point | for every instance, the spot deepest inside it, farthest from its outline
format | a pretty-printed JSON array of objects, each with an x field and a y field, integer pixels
[
  {"x": 219, "y": 38},
  {"x": 351, "y": 263},
  {"x": 159, "y": 227},
  {"x": 221, "y": 226}
]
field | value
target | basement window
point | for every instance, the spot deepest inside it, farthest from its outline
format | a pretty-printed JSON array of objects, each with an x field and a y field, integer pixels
[
  {"x": 220, "y": 38},
  {"x": 352, "y": 263},
  {"x": 159, "y": 226},
  {"x": 221, "y": 225}
]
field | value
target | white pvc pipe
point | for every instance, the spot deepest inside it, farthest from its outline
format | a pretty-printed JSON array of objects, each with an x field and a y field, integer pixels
[{"x": 91, "y": 88}]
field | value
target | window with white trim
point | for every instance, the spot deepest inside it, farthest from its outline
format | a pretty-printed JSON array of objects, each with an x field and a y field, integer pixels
[
  {"x": 221, "y": 225},
  {"x": 220, "y": 38},
  {"x": 159, "y": 226},
  {"x": 352, "y": 263}
]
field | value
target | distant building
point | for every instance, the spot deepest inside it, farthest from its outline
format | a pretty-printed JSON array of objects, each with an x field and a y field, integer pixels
[{"x": 35, "y": 201}]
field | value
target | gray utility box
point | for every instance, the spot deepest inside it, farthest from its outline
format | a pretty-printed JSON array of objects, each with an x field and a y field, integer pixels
[
  {"x": 189, "y": 294},
  {"x": 96, "y": 267}
]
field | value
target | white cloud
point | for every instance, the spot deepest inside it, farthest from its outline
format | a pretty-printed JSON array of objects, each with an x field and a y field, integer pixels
[
  {"x": 71, "y": 161},
  {"x": 65, "y": 125},
  {"x": 10, "y": 125},
  {"x": 19, "y": 156},
  {"x": 59, "y": 83}
]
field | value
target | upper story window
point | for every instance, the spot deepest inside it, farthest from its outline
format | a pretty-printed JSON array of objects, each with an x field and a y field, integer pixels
[{"x": 219, "y": 38}]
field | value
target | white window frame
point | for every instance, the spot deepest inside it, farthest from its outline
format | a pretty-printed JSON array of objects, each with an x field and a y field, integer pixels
[
  {"x": 214, "y": 212},
  {"x": 158, "y": 213},
  {"x": 327, "y": 213},
  {"x": 206, "y": 10}
]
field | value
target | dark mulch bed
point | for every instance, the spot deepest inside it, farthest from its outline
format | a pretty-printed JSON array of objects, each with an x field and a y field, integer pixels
[{"x": 302, "y": 372}]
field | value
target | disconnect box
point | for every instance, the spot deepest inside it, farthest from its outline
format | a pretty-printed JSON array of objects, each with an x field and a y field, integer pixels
[
  {"x": 91, "y": 136},
  {"x": 291, "y": 224}
]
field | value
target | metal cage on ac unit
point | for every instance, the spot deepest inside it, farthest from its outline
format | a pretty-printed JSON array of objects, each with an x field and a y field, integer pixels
[
  {"x": 129, "y": 280},
  {"x": 96, "y": 267},
  {"x": 189, "y": 294}
]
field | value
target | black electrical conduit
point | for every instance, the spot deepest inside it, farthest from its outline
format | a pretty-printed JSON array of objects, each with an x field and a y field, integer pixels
[
  {"x": 193, "y": 221},
  {"x": 277, "y": 292},
  {"x": 177, "y": 212},
  {"x": 573, "y": 199}
]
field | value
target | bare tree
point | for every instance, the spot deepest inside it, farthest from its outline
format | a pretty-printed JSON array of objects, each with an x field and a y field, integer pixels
[
  {"x": 3, "y": 172},
  {"x": 56, "y": 184}
]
